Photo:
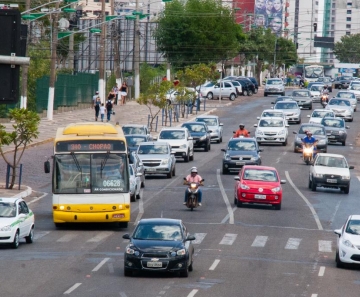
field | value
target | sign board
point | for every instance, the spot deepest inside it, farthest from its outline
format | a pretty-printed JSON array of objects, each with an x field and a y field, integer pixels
[
  {"x": 324, "y": 42},
  {"x": 347, "y": 70}
]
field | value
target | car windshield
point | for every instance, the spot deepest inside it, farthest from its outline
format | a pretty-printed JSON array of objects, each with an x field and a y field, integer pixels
[
  {"x": 314, "y": 130},
  {"x": 338, "y": 162},
  {"x": 286, "y": 105},
  {"x": 260, "y": 174},
  {"x": 7, "y": 210},
  {"x": 322, "y": 114},
  {"x": 147, "y": 149},
  {"x": 134, "y": 140},
  {"x": 242, "y": 146},
  {"x": 300, "y": 94},
  {"x": 194, "y": 127},
  {"x": 353, "y": 227},
  {"x": 274, "y": 82},
  {"x": 158, "y": 232},
  {"x": 133, "y": 130},
  {"x": 267, "y": 114},
  {"x": 339, "y": 102},
  {"x": 333, "y": 123},
  {"x": 271, "y": 123},
  {"x": 346, "y": 95},
  {"x": 316, "y": 88},
  {"x": 172, "y": 134},
  {"x": 208, "y": 121}
]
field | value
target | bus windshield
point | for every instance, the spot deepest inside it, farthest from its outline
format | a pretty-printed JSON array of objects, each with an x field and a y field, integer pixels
[
  {"x": 91, "y": 173},
  {"x": 314, "y": 71}
]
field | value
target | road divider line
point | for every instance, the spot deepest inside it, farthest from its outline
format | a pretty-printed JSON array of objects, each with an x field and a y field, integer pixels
[
  {"x": 100, "y": 264},
  {"x": 260, "y": 241},
  {"x": 192, "y": 293},
  {"x": 225, "y": 197},
  {"x": 74, "y": 287},
  {"x": 37, "y": 199},
  {"x": 316, "y": 217},
  {"x": 199, "y": 237},
  {"x": 213, "y": 266},
  {"x": 314, "y": 295},
  {"x": 321, "y": 271},
  {"x": 325, "y": 246},
  {"x": 358, "y": 178},
  {"x": 228, "y": 239}
]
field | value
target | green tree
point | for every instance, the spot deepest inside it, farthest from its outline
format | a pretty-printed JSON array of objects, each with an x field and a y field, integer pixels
[
  {"x": 25, "y": 126},
  {"x": 347, "y": 50},
  {"x": 197, "y": 31}
]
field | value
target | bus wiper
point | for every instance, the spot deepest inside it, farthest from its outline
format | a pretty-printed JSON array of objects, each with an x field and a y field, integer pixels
[
  {"x": 76, "y": 162},
  {"x": 103, "y": 163}
]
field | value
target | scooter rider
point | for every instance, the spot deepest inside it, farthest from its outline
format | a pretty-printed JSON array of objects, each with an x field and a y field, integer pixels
[
  {"x": 194, "y": 177},
  {"x": 241, "y": 131},
  {"x": 309, "y": 139}
]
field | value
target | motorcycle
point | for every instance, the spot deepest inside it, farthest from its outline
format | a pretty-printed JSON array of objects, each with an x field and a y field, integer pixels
[
  {"x": 192, "y": 193},
  {"x": 324, "y": 100},
  {"x": 241, "y": 135},
  {"x": 308, "y": 153}
]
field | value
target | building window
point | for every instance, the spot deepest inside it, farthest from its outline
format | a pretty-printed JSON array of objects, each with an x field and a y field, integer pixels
[
  {"x": 348, "y": 26},
  {"x": 347, "y": 33},
  {"x": 316, "y": 3},
  {"x": 332, "y": 27},
  {"x": 349, "y": 4},
  {"x": 348, "y": 11},
  {"x": 332, "y": 34},
  {"x": 333, "y": 12},
  {"x": 333, "y": 20},
  {"x": 348, "y": 19},
  {"x": 331, "y": 61},
  {"x": 333, "y": 5}
]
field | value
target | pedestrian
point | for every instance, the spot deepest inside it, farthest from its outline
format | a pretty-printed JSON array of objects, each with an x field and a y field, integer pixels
[
  {"x": 109, "y": 107},
  {"x": 123, "y": 93},
  {"x": 115, "y": 90},
  {"x": 97, "y": 107},
  {"x": 176, "y": 81},
  {"x": 111, "y": 96},
  {"x": 102, "y": 111},
  {"x": 164, "y": 78},
  {"x": 94, "y": 98}
]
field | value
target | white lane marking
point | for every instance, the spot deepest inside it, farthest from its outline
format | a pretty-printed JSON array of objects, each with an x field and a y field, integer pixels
[
  {"x": 122, "y": 294},
  {"x": 100, "y": 264},
  {"x": 192, "y": 293},
  {"x": 325, "y": 246},
  {"x": 141, "y": 209},
  {"x": 213, "y": 266},
  {"x": 66, "y": 238},
  {"x": 358, "y": 178},
  {"x": 314, "y": 295},
  {"x": 36, "y": 199},
  {"x": 39, "y": 234},
  {"x": 336, "y": 209},
  {"x": 284, "y": 153},
  {"x": 260, "y": 241},
  {"x": 100, "y": 236},
  {"x": 277, "y": 160},
  {"x": 226, "y": 218},
  {"x": 316, "y": 217},
  {"x": 199, "y": 237},
  {"x": 226, "y": 200},
  {"x": 74, "y": 287},
  {"x": 321, "y": 271},
  {"x": 228, "y": 239},
  {"x": 293, "y": 243}
]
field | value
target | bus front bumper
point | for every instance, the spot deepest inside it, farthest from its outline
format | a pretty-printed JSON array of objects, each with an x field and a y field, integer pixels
[{"x": 91, "y": 217}]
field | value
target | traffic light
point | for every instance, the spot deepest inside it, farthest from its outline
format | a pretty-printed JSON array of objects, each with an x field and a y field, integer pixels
[{"x": 315, "y": 27}]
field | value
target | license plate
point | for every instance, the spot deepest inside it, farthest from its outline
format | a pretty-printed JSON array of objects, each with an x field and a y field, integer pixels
[
  {"x": 118, "y": 216},
  {"x": 154, "y": 264},
  {"x": 331, "y": 136},
  {"x": 269, "y": 138},
  {"x": 150, "y": 169},
  {"x": 260, "y": 196},
  {"x": 240, "y": 163},
  {"x": 331, "y": 181}
]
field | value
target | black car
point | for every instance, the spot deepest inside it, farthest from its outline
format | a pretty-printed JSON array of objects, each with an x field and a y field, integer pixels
[
  {"x": 342, "y": 82},
  {"x": 200, "y": 133},
  {"x": 249, "y": 83},
  {"x": 318, "y": 132},
  {"x": 133, "y": 141},
  {"x": 256, "y": 84},
  {"x": 245, "y": 87},
  {"x": 239, "y": 152},
  {"x": 335, "y": 129},
  {"x": 161, "y": 245},
  {"x": 326, "y": 81}
]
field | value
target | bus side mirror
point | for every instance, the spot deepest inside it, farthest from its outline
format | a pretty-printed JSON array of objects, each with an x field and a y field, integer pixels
[{"x": 47, "y": 166}]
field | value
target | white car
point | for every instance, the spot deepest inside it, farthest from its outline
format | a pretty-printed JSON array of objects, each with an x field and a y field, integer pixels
[
  {"x": 349, "y": 95},
  {"x": 16, "y": 221},
  {"x": 214, "y": 126},
  {"x": 290, "y": 109},
  {"x": 330, "y": 171},
  {"x": 135, "y": 183},
  {"x": 341, "y": 108},
  {"x": 187, "y": 94},
  {"x": 355, "y": 88},
  {"x": 348, "y": 242},
  {"x": 274, "y": 86},
  {"x": 318, "y": 114},
  {"x": 180, "y": 140},
  {"x": 315, "y": 92},
  {"x": 272, "y": 130}
]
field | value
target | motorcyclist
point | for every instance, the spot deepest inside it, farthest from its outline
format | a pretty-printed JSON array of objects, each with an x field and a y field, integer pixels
[
  {"x": 241, "y": 131},
  {"x": 194, "y": 177},
  {"x": 325, "y": 90},
  {"x": 309, "y": 139}
]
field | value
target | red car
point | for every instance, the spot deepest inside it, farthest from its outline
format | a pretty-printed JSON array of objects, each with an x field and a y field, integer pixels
[{"x": 258, "y": 184}]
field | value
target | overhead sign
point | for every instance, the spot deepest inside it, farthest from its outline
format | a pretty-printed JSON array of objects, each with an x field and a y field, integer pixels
[{"x": 324, "y": 42}]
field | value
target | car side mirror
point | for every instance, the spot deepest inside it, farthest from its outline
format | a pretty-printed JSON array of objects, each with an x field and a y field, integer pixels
[
  {"x": 221, "y": 124},
  {"x": 141, "y": 164},
  {"x": 351, "y": 167},
  {"x": 126, "y": 236},
  {"x": 338, "y": 232},
  {"x": 237, "y": 178},
  {"x": 258, "y": 118},
  {"x": 255, "y": 125},
  {"x": 190, "y": 138},
  {"x": 190, "y": 238},
  {"x": 223, "y": 150},
  {"x": 272, "y": 102},
  {"x": 260, "y": 150},
  {"x": 283, "y": 181},
  {"x": 47, "y": 166},
  {"x": 347, "y": 127},
  {"x": 308, "y": 116}
]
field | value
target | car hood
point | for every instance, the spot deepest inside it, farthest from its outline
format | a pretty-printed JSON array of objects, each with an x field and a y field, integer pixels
[
  {"x": 355, "y": 239},
  {"x": 315, "y": 120},
  {"x": 197, "y": 134},
  {"x": 213, "y": 128},
  {"x": 327, "y": 129},
  {"x": 338, "y": 107},
  {"x": 331, "y": 170},
  {"x": 132, "y": 148},
  {"x": 270, "y": 128},
  {"x": 261, "y": 184},
  {"x": 242, "y": 153},
  {"x": 157, "y": 245},
  {"x": 356, "y": 92},
  {"x": 174, "y": 142},
  {"x": 288, "y": 111},
  {"x": 301, "y": 98},
  {"x": 315, "y": 93},
  {"x": 153, "y": 157}
]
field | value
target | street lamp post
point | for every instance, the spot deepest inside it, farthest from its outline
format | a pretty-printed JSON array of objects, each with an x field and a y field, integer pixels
[
  {"x": 274, "y": 73},
  {"x": 137, "y": 53},
  {"x": 101, "y": 86}
]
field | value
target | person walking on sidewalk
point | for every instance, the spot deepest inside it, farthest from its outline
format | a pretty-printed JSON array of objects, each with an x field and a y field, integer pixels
[
  {"x": 97, "y": 107},
  {"x": 115, "y": 90},
  {"x": 109, "y": 107},
  {"x": 94, "y": 98},
  {"x": 102, "y": 112},
  {"x": 123, "y": 93}
]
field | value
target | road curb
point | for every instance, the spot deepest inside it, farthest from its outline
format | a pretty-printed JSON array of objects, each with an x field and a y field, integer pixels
[{"x": 23, "y": 194}]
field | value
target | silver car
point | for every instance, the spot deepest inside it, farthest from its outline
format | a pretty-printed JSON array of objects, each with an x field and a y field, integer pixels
[
  {"x": 135, "y": 183},
  {"x": 349, "y": 95},
  {"x": 225, "y": 89},
  {"x": 274, "y": 86},
  {"x": 214, "y": 126},
  {"x": 290, "y": 109},
  {"x": 341, "y": 108}
]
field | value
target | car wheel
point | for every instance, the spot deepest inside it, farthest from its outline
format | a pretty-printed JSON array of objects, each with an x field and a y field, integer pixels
[
  {"x": 309, "y": 185},
  {"x": 132, "y": 198},
  {"x": 173, "y": 173},
  {"x": 220, "y": 140},
  {"x": 285, "y": 142},
  {"x": 313, "y": 186},
  {"x": 138, "y": 196},
  {"x": 185, "y": 272},
  {"x": 209, "y": 146},
  {"x": 128, "y": 272},
  {"x": 347, "y": 189},
  {"x": 169, "y": 175},
  {"x": 351, "y": 120},
  {"x": 206, "y": 148},
  {"x": 210, "y": 96},
  {"x": 235, "y": 201},
  {"x": 265, "y": 94},
  {"x": 143, "y": 184},
  {"x": 232, "y": 97},
  {"x": 59, "y": 225},
  {"x": 191, "y": 268},
  {"x": 310, "y": 107},
  {"x": 339, "y": 264},
  {"x": 186, "y": 158},
  {"x": 16, "y": 241},
  {"x": 277, "y": 206},
  {"x": 30, "y": 237},
  {"x": 239, "y": 203},
  {"x": 191, "y": 158},
  {"x": 224, "y": 170},
  {"x": 250, "y": 93},
  {"x": 343, "y": 143},
  {"x": 245, "y": 92},
  {"x": 299, "y": 122}
]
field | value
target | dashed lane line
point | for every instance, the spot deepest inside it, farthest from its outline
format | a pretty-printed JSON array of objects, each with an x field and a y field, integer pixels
[
  {"x": 225, "y": 197},
  {"x": 74, "y": 287}
]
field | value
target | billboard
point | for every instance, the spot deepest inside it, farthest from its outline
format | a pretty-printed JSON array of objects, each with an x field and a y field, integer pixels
[{"x": 269, "y": 14}]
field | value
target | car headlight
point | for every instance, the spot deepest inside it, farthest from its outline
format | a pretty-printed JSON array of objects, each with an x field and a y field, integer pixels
[
  {"x": 202, "y": 137},
  {"x": 6, "y": 228},
  {"x": 227, "y": 157},
  {"x": 181, "y": 252},
  {"x": 129, "y": 250},
  {"x": 165, "y": 162},
  {"x": 318, "y": 175},
  {"x": 254, "y": 158},
  {"x": 259, "y": 132},
  {"x": 183, "y": 146},
  {"x": 244, "y": 187},
  {"x": 348, "y": 243},
  {"x": 275, "y": 190},
  {"x": 282, "y": 132},
  {"x": 342, "y": 132},
  {"x": 345, "y": 177},
  {"x": 322, "y": 141}
]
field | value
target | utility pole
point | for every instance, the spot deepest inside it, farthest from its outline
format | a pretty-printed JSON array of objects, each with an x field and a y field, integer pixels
[
  {"x": 137, "y": 53},
  {"x": 116, "y": 48},
  {"x": 54, "y": 41},
  {"x": 275, "y": 57},
  {"x": 101, "y": 85}
]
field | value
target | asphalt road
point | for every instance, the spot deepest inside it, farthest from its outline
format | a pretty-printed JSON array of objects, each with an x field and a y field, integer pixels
[{"x": 250, "y": 251}]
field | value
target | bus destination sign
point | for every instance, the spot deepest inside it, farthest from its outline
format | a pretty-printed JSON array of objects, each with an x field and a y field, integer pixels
[{"x": 90, "y": 145}]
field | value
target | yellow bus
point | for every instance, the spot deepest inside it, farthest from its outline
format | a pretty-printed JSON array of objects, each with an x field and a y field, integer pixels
[{"x": 90, "y": 178}]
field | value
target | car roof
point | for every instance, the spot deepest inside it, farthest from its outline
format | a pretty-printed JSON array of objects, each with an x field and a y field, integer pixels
[
  {"x": 154, "y": 142},
  {"x": 134, "y": 125},
  {"x": 274, "y": 110},
  {"x": 291, "y": 101},
  {"x": 174, "y": 129},
  {"x": 273, "y": 118},
  {"x": 136, "y": 135},
  {"x": 321, "y": 109},
  {"x": 306, "y": 90},
  {"x": 331, "y": 155},
  {"x": 246, "y": 139},
  {"x": 207, "y": 117},
  {"x": 194, "y": 123},
  {"x": 162, "y": 221},
  {"x": 9, "y": 199},
  {"x": 311, "y": 124},
  {"x": 331, "y": 118},
  {"x": 259, "y": 167}
]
